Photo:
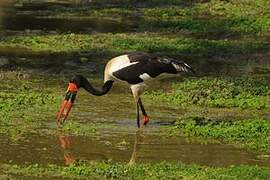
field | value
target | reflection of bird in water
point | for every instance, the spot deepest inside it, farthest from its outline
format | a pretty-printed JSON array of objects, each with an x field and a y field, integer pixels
[
  {"x": 66, "y": 145},
  {"x": 136, "y": 70},
  {"x": 137, "y": 140}
]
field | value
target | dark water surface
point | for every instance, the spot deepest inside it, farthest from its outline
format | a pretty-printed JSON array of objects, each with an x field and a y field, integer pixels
[{"x": 28, "y": 23}]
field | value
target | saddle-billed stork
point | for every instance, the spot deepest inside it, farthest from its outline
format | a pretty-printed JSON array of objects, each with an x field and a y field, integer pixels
[{"x": 135, "y": 69}]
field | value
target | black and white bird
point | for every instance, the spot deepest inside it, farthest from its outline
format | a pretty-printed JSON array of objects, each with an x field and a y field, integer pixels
[{"x": 134, "y": 69}]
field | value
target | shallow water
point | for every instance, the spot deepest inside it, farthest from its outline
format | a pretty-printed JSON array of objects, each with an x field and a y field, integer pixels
[
  {"x": 143, "y": 146},
  {"x": 117, "y": 138}
]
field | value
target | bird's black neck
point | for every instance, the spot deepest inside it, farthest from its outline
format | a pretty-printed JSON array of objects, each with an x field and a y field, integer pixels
[
  {"x": 84, "y": 83},
  {"x": 98, "y": 92}
]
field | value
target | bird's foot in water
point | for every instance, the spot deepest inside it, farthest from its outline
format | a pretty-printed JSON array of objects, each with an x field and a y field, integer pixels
[
  {"x": 58, "y": 122},
  {"x": 61, "y": 119},
  {"x": 145, "y": 120}
]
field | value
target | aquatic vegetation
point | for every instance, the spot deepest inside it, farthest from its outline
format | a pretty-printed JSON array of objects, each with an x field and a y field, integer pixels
[
  {"x": 21, "y": 107},
  {"x": 138, "y": 171},
  {"x": 218, "y": 92},
  {"x": 77, "y": 128},
  {"x": 252, "y": 133}
]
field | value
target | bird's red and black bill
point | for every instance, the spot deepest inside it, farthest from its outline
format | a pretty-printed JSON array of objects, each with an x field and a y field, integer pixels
[{"x": 66, "y": 107}]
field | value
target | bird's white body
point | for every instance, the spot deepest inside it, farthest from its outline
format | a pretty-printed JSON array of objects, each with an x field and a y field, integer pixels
[{"x": 116, "y": 64}]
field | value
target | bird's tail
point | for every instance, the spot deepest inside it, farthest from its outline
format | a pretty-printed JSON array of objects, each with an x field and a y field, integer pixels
[{"x": 181, "y": 66}]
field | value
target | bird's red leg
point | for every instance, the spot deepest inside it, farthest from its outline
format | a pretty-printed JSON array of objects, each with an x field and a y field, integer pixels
[
  {"x": 145, "y": 117},
  {"x": 62, "y": 108},
  {"x": 145, "y": 120},
  {"x": 69, "y": 106}
]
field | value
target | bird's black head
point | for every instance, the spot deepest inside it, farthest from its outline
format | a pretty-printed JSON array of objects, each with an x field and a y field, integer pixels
[{"x": 79, "y": 80}]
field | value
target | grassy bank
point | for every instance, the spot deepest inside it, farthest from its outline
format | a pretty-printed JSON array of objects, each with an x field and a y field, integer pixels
[
  {"x": 252, "y": 134},
  {"x": 112, "y": 44},
  {"x": 219, "y": 92},
  {"x": 140, "y": 171}
]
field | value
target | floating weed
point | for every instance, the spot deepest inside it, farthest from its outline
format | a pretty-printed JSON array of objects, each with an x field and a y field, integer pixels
[{"x": 123, "y": 145}]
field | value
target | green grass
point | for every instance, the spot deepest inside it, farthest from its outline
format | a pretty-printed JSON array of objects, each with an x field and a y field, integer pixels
[
  {"x": 253, "y": 134},
  {"x": 139, "y": 171},
  {"x": 241, "y": 92}
]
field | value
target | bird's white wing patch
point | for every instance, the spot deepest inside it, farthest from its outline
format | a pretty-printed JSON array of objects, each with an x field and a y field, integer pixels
[
  {"x": 116, "y": 64},
  {"x": 120, "y": 62},
  {"x": 187, "y": 65},
  {"x": 180, "y": 68},
  {"x": 145, "y": 77}
]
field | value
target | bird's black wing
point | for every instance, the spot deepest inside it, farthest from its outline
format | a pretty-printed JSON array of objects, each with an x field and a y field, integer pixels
[
  {"x": 144, "y": 64},
  {"x": 140, "y": 56}
]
